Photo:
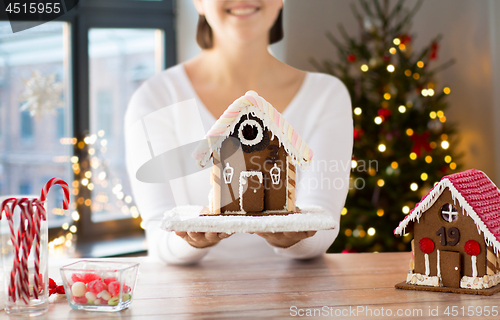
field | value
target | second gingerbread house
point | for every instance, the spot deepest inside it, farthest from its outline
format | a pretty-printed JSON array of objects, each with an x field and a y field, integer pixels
[{"x": 456, "y": 241}]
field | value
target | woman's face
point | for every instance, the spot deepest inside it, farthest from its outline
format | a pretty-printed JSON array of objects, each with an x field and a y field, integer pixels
[{"x": 239, "y": 20}]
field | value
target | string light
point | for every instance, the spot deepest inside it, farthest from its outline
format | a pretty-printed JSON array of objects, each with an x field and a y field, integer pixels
[
  {"x": 381, "y": 147},
  {"x": 413, "y": 156},
  {"x": 414, "y": 186},
  {"x": 424, "y": 176},
  {"x": 396, "y": 41},
  {"x": 354, "y": 164},
  {"x": 381, "y": 182},
  {"x": 392, "y": 50},
  {"x": 409, "y": 132},
  {"x": 424, "y": 92},
  {"x": 371, "y": 231},
  {"x": 420, "y": 64},
  {"x": 364, "y": 68},
  {"x": 402, "y": 47},
  {"x": 445, "y": 144},
  {"x": 348, "y": 232},
  {"x": 380, "y": 212},
  {"x": 416, "y": 76},
  {"x": 378, "y": 120},
  {"x": 402, "y": 109},
  {"x": 406, "y": 209},
  {"x": 407, "y": 72},
  {"x": 344, "y": 211},
  {"x": 394, "y": 165},
  {"x": 428, "y": 159},
  {"x": 447, "y": 159},
  {"x": 391, "y": 68},
  {"x": 72, "y": 229},
  {"x": 387, "y": 96},
  {"x": 453, "y": 166},
  {"x": 447, "y": 90},
  {"x": 440, "y": 113},
  {"x": 430, "y": 92},
  {"x": 433, "y": 115},
  {"x": 358, "y": 111}
]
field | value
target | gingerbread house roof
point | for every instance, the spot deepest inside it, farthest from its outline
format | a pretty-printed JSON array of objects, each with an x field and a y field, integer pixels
[
  {"x": 478, "y": 196},
  {"x": 254, "y": 104}
]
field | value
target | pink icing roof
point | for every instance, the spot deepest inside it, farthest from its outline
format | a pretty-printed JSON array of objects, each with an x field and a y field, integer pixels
[
  {"x": 252, "y": 102},
  {"x": 476, "y": 189}
]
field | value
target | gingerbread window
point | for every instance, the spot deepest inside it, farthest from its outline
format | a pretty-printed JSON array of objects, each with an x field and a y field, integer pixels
[
  {"x": 250, "y": 132},
  {"x": 449, "y": 213}
]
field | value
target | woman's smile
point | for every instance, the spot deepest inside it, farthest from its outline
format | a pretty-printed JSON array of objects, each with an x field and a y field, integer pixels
[{"x": 243, "y": 10}]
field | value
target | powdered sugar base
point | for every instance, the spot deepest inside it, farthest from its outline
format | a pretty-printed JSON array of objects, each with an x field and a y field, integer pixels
[{"x": 189, "y": 218}]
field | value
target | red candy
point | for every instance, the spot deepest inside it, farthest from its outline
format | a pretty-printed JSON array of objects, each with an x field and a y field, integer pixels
[
  {"x": 426, "y": 245},
  {"x": 96, "y": 286},
  {"x": 114, "y": 288},
  {"x": 76, "y": 277},
  {"x": 80, "y": 299},
  {"x": 89, "y": 277},
  {"x": 108, "y": 280},
  {"x": 472, "y": 248}
]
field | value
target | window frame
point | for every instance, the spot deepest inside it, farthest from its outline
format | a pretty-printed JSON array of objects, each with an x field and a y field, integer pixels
[{"x": 88, "y": 14}]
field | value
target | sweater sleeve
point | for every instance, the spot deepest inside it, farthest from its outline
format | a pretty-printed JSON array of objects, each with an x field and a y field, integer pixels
[
  {"x": 328, "y": 131},
  {"x": 152, "y": 102}
]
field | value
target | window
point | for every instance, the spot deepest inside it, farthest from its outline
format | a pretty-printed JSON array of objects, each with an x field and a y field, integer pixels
[
  {"x": 101, "y": 51},
  {"x": 449, "y": 213},
  {"x": 30, "y": 149},
  {"x": 26, "y": 125}
]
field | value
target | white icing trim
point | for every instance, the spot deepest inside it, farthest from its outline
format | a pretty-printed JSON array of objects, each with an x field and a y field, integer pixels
[
  {"x": 258, "y": 138},
  {"x": 427, "y": 267},
  {"x": 243, "y": 180},
  {"x": 431, "y": 198},
  {"x": 474, "y": 266},
  {"x": 438, "y": 263}
]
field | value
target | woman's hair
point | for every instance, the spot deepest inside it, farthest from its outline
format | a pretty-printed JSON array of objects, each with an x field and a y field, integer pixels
[{"x": 205, "y": 40}]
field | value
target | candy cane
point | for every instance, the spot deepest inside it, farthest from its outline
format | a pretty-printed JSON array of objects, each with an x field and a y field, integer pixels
[
  {"x": 9, "y": 216},
  {"x": 60, "y": 182},
  {"x": 24, "y": 243},
  {"x": 37, "y": 217}
]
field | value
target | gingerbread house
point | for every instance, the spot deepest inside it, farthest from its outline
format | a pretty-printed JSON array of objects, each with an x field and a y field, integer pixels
[
  {"x": 255, "y": 153},
  {"x": 456, "y": 241}
]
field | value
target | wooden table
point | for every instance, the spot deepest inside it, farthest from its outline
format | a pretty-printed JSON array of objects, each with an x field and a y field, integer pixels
[{"x": 334, "y": 284}]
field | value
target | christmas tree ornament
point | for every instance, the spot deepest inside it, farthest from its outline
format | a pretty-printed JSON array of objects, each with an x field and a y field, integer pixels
[{"x": 41, "y": 95}]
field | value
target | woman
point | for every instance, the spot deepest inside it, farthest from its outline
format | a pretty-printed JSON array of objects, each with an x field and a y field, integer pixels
[{"x": 235, "y": 36}]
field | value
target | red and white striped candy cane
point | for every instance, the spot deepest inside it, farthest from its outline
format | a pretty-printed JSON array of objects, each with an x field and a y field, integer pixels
[
  {"x": 65, "y": 187},
  {"x": 38, "y": 216},
  {"x": 24, "y": 243},
  {"x": 9, "y": 216}
]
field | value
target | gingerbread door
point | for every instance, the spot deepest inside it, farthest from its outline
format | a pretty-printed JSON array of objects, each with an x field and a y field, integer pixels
[
  {"x": 251, "y": 190},
  {"x": 451, "y": 273}
]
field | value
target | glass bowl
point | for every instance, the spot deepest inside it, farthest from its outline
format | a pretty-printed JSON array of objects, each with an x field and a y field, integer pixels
[{"x": 99, "y": 285}]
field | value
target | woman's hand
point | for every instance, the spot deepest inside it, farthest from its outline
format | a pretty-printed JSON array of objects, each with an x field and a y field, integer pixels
[
  {"x": 202, "y": 239},
  {"x": 285, "y": 239}
]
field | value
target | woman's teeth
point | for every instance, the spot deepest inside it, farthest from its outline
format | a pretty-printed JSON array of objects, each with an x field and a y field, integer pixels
[{"x": 242, "y": 11}]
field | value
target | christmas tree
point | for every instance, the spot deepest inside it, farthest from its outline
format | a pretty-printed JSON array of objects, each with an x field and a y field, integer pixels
[{"x": 402, "y": 139}]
